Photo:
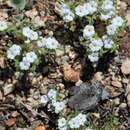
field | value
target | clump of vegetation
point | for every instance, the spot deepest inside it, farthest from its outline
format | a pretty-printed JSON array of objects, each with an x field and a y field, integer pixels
[
  {"x": 100, "y": 25},
  {"x": 27, "y": 53}
]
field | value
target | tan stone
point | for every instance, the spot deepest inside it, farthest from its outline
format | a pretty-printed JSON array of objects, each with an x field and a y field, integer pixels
[{"x": 125, "y": 68}]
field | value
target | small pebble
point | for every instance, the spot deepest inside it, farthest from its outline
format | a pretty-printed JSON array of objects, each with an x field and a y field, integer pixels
[
  {"x": 8, "y": 88},
  {"x": 116, "y": 84},
  {"x": 117, "y": 101},
  {"x": 98, "y": 76},
  {"x": 123, "y": 105}
]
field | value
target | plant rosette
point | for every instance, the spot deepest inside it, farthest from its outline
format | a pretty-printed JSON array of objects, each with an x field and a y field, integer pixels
[{"x": 101, "y": 25}]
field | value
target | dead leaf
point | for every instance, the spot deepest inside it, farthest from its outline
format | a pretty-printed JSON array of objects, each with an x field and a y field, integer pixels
[
  {"x": 10, "y": 122},
  {"x": 71, "y": 75}
]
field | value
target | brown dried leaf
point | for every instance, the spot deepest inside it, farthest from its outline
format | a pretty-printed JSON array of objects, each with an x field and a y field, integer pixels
[
  {"x": 10, "y": 122},
  {"x": 71, "y": 75}
]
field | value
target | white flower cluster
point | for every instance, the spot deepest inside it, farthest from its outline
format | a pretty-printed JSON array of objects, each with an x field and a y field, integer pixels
[
  {"x": 3, "y": 25},
  {"x": 116, "y": 23},
  {"x": 81, "y": 10},
  {"x": 13, "y": 51},
  {"x": 96, "y": 44},
  {"x": 86, "y": 9},
  {"x": 88, "y": 31},
  {"x": 107, "y": 10},
  {"x": 49, "y": 42},
  {"x": 30, "y": 34},
  {"x": 62, "y": 124},
  {"x": 73, "y": 123},
  {"x": 66, "y": 13},
  {"x": 51, "y": 97},
  {"x": 77, "y": 121},
  {"x": 108, "y": 42},
  {"x": 29, "y": 58}
]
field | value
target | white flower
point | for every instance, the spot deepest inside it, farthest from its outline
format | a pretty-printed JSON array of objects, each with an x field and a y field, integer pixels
[
  {"x": 34, "y": 36},
  {"x": 67, "y": 14},
  {"x": 77, "y": 121},
  {"x": 52, "y": 94},
  {"x": 31, "y": 56},
  {"x": 88, "y": 129},
  {"x": 59, "y": 106},
  {"x": 64, "y": 9},
  {"x": 13, "y": 51},
  {"x": 68, "y": 17},
  {"x": 108, "y": 10},
  {"x": 41, "y": 42},
  {"x": 24, "y": 64},
  {"x": 82, "y": 118},
  {"x": 93, "y": 57},
  {"x": 62, "y": 122},
  {"x": 111, "y": 29},
  {"x": 117, "y": 21},
  {"x": 3, "y": 25},
  {"x": 91, "y": 7},
  {"x": 74, "y": 123},
  {"x": 96, "y": 44},
  {"x": 107, "y": 16},
  {"x": 44, "y": 99},
  {"x": 88, "y": 31},
  {"x": 104, "y": 16},
  {"x": 81, "y": 10},
  {"x": 108, "y": 43},
  {"x": 51, "y": 43},
  {"x": 63, "y": 128},
  {"x": 29, "y": 33},
  {"x": 107, "y": 5}
]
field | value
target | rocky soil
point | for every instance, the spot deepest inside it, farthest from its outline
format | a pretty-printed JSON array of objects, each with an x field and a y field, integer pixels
[{"x": 20, "y": 107}]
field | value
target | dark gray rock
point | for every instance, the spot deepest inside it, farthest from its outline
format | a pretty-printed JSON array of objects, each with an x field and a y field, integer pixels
[{"x": 87, "y": 96}]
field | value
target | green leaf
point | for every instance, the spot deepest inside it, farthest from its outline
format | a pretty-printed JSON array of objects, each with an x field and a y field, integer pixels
[{"x": 18, "y": 4}]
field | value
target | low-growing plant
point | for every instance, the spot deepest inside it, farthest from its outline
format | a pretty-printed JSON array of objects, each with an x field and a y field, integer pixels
[
  {"x": 57, "y": 104},
  {"x": 98, "y": 22},
  {"x": 28, "y": 48}
]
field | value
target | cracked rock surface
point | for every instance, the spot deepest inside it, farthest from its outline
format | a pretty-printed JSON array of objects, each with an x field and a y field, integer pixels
[{"x": 87, "y": 96}]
